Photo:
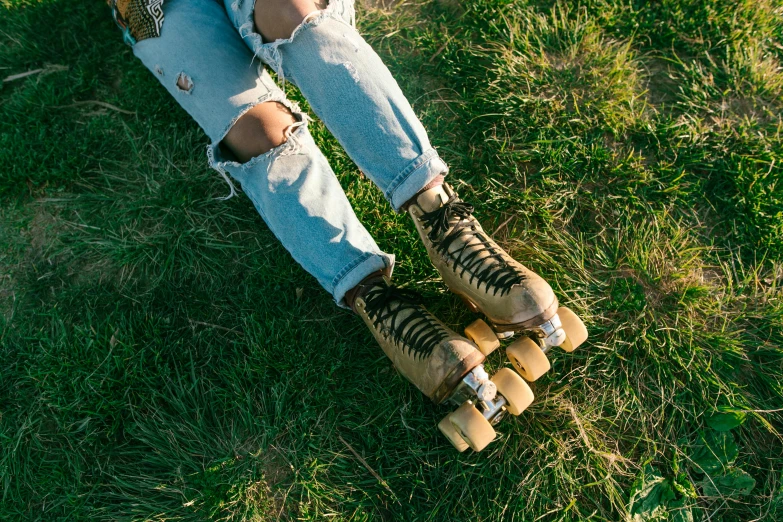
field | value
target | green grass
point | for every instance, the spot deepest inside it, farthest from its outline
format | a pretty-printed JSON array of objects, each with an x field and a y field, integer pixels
[{"x": 161, "y": 357}]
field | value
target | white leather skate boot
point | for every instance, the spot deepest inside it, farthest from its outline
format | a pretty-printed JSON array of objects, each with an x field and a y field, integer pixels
[
  {"x": 445, "y": 366},
  {"x": 512, "y": 297}
]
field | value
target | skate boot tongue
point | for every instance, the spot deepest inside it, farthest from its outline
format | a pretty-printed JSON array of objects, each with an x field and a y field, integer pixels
[
  {"x": 433, "y": 198},
  {"x": 397, "y": 316}
]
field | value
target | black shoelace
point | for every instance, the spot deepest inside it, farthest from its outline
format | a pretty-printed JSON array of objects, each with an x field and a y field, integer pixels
[
  {"x": 449, "y": 223},
  {"x": 419, "y": 331}
]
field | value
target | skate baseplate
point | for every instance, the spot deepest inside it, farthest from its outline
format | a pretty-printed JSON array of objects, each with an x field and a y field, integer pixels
[
  {"x": 483, "y": 402},
  {"x": 528, "y": 353}
]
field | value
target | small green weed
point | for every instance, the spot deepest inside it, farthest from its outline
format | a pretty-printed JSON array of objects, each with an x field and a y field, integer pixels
[{"x": 711, "y": 459}]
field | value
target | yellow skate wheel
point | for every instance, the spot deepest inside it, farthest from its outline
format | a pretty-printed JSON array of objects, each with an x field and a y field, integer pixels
[
  {"x": 483, "y": 336},
  {"x": 471, "y": 425},
  {"x": 574, "y": 328},
  {"x": 455, "y": 438},
  {"x": 528, "y": 359},
  {"x": 516, "y": 391}
]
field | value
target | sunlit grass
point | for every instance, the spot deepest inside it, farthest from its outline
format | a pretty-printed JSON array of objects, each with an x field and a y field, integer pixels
[{"x": 162, "y": 358}]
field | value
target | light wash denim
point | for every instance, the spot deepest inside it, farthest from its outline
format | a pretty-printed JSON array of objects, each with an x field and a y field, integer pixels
[{"x": 212, "y": 49}]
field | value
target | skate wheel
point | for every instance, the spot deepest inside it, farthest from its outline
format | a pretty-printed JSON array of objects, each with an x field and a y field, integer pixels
[
  {"x": 447, "y": 428},
  {"x": 517, "y": 393},
  {"x": 471, "y": 425},
  {"x": 528, "y": 359},
  {"x": 483, "y": 336},
  {"x": 574, "y": 328}
]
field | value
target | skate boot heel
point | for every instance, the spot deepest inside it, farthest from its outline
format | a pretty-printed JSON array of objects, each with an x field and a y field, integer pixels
[{"x": 472, "y": 307}]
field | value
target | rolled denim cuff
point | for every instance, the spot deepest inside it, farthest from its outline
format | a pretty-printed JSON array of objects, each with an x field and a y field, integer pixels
[
  {"x": 353, "y": 273},
  {"x": 415, "y": 177}
]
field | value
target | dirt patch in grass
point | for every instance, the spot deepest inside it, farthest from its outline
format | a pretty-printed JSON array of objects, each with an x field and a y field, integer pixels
[
  {"x": 277, "y": 472},
  {"x": 561, "y": 127},
  {"x": 661, "y": 87}
]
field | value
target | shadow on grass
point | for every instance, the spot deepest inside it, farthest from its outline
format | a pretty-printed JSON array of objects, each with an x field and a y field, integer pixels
[{"x": 162, "y": 357}]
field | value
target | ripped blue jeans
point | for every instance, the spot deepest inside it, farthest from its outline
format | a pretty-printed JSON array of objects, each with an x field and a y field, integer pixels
[{"x": 207, "y": 56}]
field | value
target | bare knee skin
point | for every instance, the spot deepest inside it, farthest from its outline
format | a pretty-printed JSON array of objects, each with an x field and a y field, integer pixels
[
  {"x": 184, "y": 82},
  {"x": 276, "y": 19},
  {"x": 259, "y": 130}
]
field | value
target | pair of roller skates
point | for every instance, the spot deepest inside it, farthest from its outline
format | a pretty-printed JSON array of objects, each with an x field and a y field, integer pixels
[{"x": 448, "y": 367}]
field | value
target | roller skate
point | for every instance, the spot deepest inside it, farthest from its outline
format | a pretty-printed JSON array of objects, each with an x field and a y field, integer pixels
[
  {"x": 445, "y": 366},
  {"x": 513, "y": 298}
]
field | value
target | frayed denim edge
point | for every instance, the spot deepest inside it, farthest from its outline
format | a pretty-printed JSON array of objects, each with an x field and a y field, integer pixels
[
  {"x": 270, "y": 52},
  {"x": 213, "y": 149}
]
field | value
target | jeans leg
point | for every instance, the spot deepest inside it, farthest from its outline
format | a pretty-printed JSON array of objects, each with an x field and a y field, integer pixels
[
  {"x": 298, "y": 196},
  {"x": 291, "y": 186},
  {"x": 356, "y": 97}
]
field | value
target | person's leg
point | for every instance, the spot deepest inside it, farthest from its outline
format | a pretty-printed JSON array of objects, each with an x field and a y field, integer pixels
[
  {"x": 352, "y": 91},
  {"x": 347, "y": 85},
  {"x": 261, "y": 139},
  {"x": 293, "y": 187},
  {"x": 259, "y": 130}
]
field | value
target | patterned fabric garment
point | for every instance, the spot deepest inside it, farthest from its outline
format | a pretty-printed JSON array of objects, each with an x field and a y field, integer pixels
[{"x": 138, "y": 19}]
